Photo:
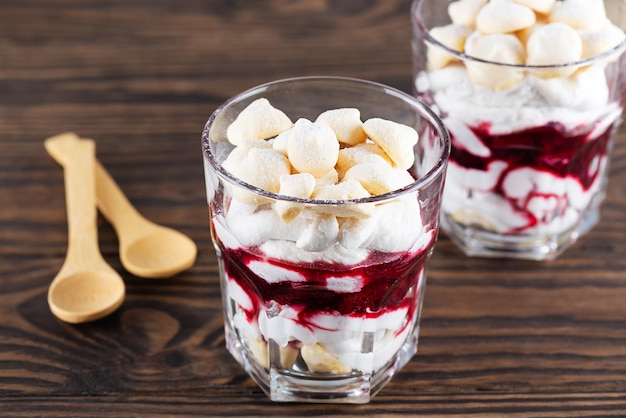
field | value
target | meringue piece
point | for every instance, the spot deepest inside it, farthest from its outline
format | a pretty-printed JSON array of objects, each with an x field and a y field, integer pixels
[
  {"x": 463, "y": 12},
  {"x": 345, "y": 190},
  {"x": 312, "y": 147},
  {"x": 258, "y": 167},
  {"x": 259, "y": 120},
  {"x": 540, "y": 6},
  {"x": 345, "y": 123},
  {"x": 239, "y": 154},
  {"x": 355, "y": 231},
  {"x": 580, "y": 14},
  {"x": 258, "y": 348},
  {"x": 253, "y": 143},
  {"x": 524, "y": 34},
  {"x": 358, "y": 154},
  {"x": 596, "y": 43},
  {"x": 281, "y": 141},
  {"x": 504, "y": 16},
  {"x": 553, "y": 44},
  {"x": 377, "y": 177},
  {"x": 319, "y": 360},
  {"x": 452, "y": 36},
  {"x": 288, "y": 356},
  {"x": 467, "y": 217},
  {"x": 296, "y": 185},
  {"x": 260, "y": 352},
  {"x": 396, "y": 139},
  {"x": 330, "y": 178},
  {"x": 320, "y": 235},
  {"x": 497, "y": 48}
]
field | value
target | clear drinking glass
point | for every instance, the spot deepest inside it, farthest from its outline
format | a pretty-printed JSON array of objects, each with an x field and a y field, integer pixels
[
  {"x": 530, "y": 144},
  {"x": 331, "y": 322}
]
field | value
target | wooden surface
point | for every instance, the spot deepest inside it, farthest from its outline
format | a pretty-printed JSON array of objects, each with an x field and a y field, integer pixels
[{"x": 499, "y": 338}]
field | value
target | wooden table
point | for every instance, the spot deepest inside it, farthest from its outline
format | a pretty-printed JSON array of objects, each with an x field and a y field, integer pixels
[{"x": 499, "y": 337}]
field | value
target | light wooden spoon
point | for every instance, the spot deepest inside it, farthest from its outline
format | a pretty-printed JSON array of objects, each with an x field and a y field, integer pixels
[
  {"x": 146, "y": 249},
  {"x": 86, "y": 288}
]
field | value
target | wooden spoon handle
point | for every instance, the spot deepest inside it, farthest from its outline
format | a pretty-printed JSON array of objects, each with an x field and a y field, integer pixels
[
  {"x": 111, "y": 201},
  {"x": 116, "y": 207},
  {"x": 80, "y": 194}
]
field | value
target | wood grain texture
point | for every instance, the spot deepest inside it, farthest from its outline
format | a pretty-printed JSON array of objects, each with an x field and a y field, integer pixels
[{"x": 499, "y": 337}]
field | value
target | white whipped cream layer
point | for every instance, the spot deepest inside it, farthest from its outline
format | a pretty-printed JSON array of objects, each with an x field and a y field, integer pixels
[
  {"x": 571, "y": 101},
  {"x": 394, "y": 226}
]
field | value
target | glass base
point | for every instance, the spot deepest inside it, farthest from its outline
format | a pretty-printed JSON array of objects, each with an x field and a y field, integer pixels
[
  {"x": 289, "y": 385},
  {"x": 476, "y": 242}
]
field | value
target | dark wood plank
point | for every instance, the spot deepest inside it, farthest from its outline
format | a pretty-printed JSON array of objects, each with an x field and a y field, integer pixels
[{"x": 427, "y": 405}]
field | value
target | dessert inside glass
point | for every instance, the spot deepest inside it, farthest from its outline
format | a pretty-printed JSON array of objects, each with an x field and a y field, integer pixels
[
  {"x": 532, "y": 94},
  {"x": 324, "y": 197}
]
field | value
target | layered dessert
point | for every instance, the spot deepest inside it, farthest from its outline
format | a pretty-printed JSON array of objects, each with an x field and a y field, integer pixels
[
  {"x": 531, "y": 134},
  {"x": 314, "y": 282}
]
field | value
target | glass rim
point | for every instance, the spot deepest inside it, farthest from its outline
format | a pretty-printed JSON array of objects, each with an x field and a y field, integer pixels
[
  {"x": 416, "y": 17},
  {"x": 420, "y": 183}
]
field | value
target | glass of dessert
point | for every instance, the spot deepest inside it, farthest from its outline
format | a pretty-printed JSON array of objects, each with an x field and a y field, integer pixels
[
  {"x": 324, "y": 198},
  {"x": 532, "y": 94}
]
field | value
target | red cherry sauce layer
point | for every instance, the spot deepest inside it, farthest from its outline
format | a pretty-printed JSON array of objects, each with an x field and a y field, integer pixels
[
  {"x": 389, "y": 281},
  {"x": 551, "y": 148}
]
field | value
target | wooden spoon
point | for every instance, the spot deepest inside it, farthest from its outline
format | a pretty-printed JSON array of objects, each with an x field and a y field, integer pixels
[
  {"x": 86, "y": 288},
  {"x": 146, "y": 249}
]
